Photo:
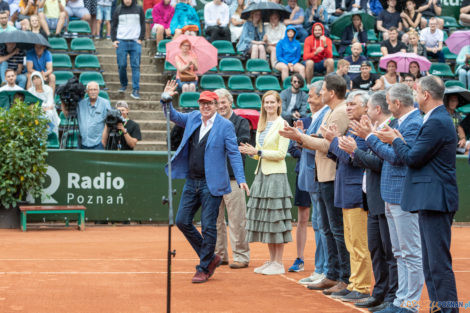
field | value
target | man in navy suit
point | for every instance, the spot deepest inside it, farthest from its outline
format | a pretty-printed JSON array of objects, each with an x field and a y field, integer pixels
[
  {"x": 201, "y": 159},
  {"x": 431, "y": 188}
]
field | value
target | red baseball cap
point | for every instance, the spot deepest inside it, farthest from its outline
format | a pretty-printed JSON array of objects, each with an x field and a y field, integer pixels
[{"x": 208, "y": 96}]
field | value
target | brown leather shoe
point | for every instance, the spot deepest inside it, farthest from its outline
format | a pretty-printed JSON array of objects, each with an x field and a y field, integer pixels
[
  {"x": 200, "y": 277},
  {"x": 213, "y": 265},
  {"x": 336, "y": 288},
  {"x": 236, "y": 265},
  {"x": 325, "y": 283}
]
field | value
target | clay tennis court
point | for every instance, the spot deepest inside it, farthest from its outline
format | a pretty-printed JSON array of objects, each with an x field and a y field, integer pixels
[{"x": 123, "y": 269}]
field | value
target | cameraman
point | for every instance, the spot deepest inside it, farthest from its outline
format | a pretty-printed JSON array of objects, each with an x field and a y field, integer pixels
[{"x": 129, "y": 132}]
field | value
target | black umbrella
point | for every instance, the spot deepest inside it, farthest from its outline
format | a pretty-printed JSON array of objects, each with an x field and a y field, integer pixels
[
  {"x": 24, "y": 40},
  {"x": 266, "y": 9},
  {"x": 464, "y": 94}
]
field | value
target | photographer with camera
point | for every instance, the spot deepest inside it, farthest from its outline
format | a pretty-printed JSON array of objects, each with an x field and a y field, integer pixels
[{"x": 126, "y": 131}]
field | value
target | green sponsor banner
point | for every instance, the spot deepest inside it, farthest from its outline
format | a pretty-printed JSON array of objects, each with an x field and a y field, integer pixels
[{"x": 451, "y": 8}]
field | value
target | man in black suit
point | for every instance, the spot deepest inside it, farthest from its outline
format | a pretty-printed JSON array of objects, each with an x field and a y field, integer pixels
[
  {"x": 234, "y": 201},
  {"x": 431, "y": 189}
]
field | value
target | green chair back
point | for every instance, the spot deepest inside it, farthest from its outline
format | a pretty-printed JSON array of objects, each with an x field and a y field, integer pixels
[
  {"x": 249, "y": 101},
  {"x": 168, "y": 67},
  {"x": 240, "y": 82},
  {"x": 148, "y": 14},
  {"x": 87, "y": 61},
  {"x": 189, "y": 100},
  {"x": 373, "y": 50},
  {"x": 267, "y": 82},
  {"x": 212, "y": 81},
  {"x": 61, "y": 61},
  {"x": 52, "y": 141},
  {"x": 82, "y": 44},
  {"x": 162, "y": 45},
  {"x": 80, "y": 27},
  {"x": 58, "y": 43},
  {"x": 231, "y": 65},
  {"x": 224, "y": 47},
  {"x": 87, "y": 77},
  {"x": 258, "y": 65},
  {"x": 61, "y": 77},
  {"x": 441, "y": 70},
  {"x": 452, "y": 83}
]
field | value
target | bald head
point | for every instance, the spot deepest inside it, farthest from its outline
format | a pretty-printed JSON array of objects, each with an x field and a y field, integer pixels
[{"x": 356, "y": 49}]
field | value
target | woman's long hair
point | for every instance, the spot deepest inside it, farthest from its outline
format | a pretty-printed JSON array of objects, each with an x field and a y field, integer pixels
[{"x": 262, "y": 119}]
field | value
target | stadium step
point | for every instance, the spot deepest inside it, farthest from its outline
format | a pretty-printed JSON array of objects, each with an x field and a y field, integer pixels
[
  {"x": 154, "y": 135},
  {"x": 139, "y": 114},
  {"x": 144, "y": 95},
  {"x": 144, "y": 87},
  {"x": 145, "y": 145},
  {"x": 144, "y": 77},
  {"x": 159, "y": 125}
]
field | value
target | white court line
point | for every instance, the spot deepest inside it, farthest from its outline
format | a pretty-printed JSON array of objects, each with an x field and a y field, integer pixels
[
  {"x": 135, "y": 259},
  {"x": 100, "y": 273}
]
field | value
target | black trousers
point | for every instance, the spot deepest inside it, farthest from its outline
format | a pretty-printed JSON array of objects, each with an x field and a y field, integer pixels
[{"x": 217, "y": 33}]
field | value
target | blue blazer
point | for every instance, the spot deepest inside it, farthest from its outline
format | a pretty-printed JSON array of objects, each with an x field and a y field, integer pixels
[
  {"x": 222, "y": 142},
  {"x": 348, "y": 180},
  {"x": 431, "y": 182},
  {"x": 394, "y": 169}
]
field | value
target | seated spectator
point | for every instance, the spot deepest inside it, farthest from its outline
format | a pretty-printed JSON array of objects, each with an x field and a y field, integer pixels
[
  {"x": 451, "y": 102},
  {"x": 432, "y": 38},
  {"x": 366, "y": 80},
  {"x": 40, "y": 59},
  {"x": 36, "y": 26},
  {"x": 77, "y": 8},
  {"x": 352, "y": 34},
  {"x": 275, "y": 31},
  {"x": 44, "y": 92},
  {"x": 129, "y": 132},
  {"x": 342, "y": 6},
  {"x": 4, "y": 26},
  {"x": 236, "y": 22},
  {"x": 27, "y": 8},
  {"x": 330, "y": 7},
  {"x": 186, "y": 67},
  {"x": 53, "y": 16},
  {"x": 12, "y": 58},
  {"x": 409, "y": 79},
  {"x": 464, "y": 16},
  {"x": 162, "y": 13},
  {"x": 184, "y": 15},
  {"x": 318, "y": 52},
  {"x": 342, "y": 71},
  {"x": 103, "y": 13},
  {"x": 463, "y": 66},
  {"x": 296, "y": 18},
  {"x": 392, "y": 45},
  {"x": 288, "y": 54},
  {"x": 415, "y": 70},
  {"x": 216, "y": 19},
  {"x": 388, "y": 19},
  {"x": 430, "y": 9},
  {"x": 375, "y": 7},
  {"x": 315, "y": 13},
  {"x": 391, "y": 77},
  {"x": 251, "y": 39},
  {"x": 355, "y": 60},
  {"x": 10, "y": 77},
  {"x": 414, "y": 46},
  {"x": 410, "y": 17},
  {"x": 294, "y": 100}
]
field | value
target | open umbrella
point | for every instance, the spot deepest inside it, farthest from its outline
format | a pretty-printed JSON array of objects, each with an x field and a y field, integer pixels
[
  {"x": 7, "y": 97},
  {"x": 462, "y": 93},
  {"x": 24, "y": 40},
  {"x": 205, "y": 52},
  {"x": 266, "y": 9},
  {"x": 403, "y": 61},
  {"x": 457, "y": 40},
  {"x": 337, "y": 28}
]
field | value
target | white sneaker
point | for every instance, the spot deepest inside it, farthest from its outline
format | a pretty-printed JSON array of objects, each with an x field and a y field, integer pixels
[
  {"x": 258, "y": 270},
  {"x": 312, "y": 278},
  {"x": 274, "y": 269},
  {"x": 323, "y": 276}
]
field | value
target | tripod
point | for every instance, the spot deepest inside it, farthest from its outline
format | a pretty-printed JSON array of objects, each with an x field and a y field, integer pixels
[
  {"x": 70, "y": 132},
  {"x": 114, "y": 139}
]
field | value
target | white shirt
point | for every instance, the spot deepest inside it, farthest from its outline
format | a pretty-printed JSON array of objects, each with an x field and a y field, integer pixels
[
  {"x": 206, "y": 127},
  {"x": 401, "y": 119},
  {"x": 274, "y": 34},
  {"x": 427, "y": 115},
  {"x": 76, "y": 4},
  {"x": 431, "y": 40},
  {"x": 8, "y": 88},
  {"x": 213, "y": 12}
]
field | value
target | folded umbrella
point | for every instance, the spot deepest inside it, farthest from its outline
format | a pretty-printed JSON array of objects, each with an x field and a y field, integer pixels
[
  {"x": 266, "y": 8},
  {"x": 457, "y": 40},
  {"x": 337, "y": 28},
  {"x": 24, "y": 40},
  {"x": 403, "y": 60}
]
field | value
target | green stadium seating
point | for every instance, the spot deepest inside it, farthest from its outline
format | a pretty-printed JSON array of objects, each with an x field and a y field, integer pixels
[
  {"x": 317, "y": 78},
  {"x": 240, "y": 82},
  {"x": 52, "y": 141},
  {"x": 80, "y": 27},
  {"x": 335, "y": 52},
  {"x": 452, "y": 83},
  {"x": 200, "y": 13},
  {"x": 267, "y": 82},
  {"x": 148, "y": 14},
  {"x": 61, "y": 61},
  {"x": 63, "y": 119},
  {"x": 82, "y": 44},
  {"x": 441, "y": 70},
  {"x": 162, "y": 45},
  {"x": 231, "y": 65},
  {"x": 70, "y": 139},
  {"x": 189, "y": 100},
  {"x": 464, "y": 109},
  {"x": 450, "y": 22},
  {"x": 372, "y": 70},
  {"x": 168, "y": 67},
  {"x": 214, "y": 69},
  {"x": 373, "y": 51},
  {"x": 249, "y": 101},
  {"x": 224, "y": 47},
  {"x": 371, "y": 35},
  {"x": 61, "y": 77},
  {"x": 87, "y": 61},
  {"x": 212, "y": 81},
  {"x": 87, "y": 77},
  {"x": 58, "y": 43},
  {"x": 449, "y": 55},
  {"x": 257, "y": 65}
]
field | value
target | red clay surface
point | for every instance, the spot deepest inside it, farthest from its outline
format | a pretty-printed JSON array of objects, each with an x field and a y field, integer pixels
[{"x": 123, "y": 269}]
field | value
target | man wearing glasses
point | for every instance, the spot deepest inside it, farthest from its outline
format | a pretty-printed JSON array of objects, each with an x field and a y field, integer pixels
[
  {"x": 410, "y": 80},
  {"x": 201, "y": 159},
  {"x": 294, "y": 100}
]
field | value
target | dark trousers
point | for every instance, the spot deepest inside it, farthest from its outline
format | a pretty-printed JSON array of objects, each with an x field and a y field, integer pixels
[
  {"x": 384, "y": 263},
  {"x": 196, "y": 194},
  {"x": 435, "y": 228},
  {"x": 332, "y": 228},
  {"x": 439, "y": 56},
  {"x": 217, "y": 33}
]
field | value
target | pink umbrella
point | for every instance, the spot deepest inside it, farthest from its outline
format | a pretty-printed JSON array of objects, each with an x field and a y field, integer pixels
[
  {"x": 206, "y": 53},
  {"x": 457, "y": 40},
  {"x": 403, "y": 61}
]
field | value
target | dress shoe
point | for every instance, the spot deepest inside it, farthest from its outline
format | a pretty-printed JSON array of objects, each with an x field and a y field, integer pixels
[
  {"x": 236, "y": 265},
  {"x": 355, "y": 297},
  {"x": 323, "y": 284},
  {"x": 213, "y": 265},
  {"x": 224, "y": 263},
  {"x": 340, "y": 294},
  {"x": 385, "y": 308},
  {"x": 369, "y": 302},
  {"x": 340, "y": 286},
  {"x": 200, "y": 277}
]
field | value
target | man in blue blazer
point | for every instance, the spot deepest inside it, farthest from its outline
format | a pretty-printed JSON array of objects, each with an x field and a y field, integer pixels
[
  {"x": 403, "y": 226},
  {"x": 431, "y": 188},
  {"x": 201, "y": 159}
]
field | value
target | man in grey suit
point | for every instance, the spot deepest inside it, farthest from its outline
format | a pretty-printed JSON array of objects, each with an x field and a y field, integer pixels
[{"x": 294, "y": 100}]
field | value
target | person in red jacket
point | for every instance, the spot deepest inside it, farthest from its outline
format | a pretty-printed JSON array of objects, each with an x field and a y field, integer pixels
[{"x": 318, "y": 53}]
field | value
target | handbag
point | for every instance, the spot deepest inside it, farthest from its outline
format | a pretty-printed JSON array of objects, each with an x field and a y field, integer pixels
[{"x": 187, "y": 76}]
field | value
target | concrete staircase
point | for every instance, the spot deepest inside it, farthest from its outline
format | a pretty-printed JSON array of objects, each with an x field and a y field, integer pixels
[{"x": 147, "y": 111}]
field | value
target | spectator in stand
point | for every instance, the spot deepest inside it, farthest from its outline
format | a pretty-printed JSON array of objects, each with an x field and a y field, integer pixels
[
  {"x": 288, "y": 55},
  {"x": 352, "y": 34},
  {"x": 77, "y": 8},
  {"x": 315, "y": 13},
  {"x": 451, "y": 102},
  {"x": 342, "y": 71},
  {"x": 236, "y": 22},
  {"x": 415, "y": 70},
  {"x": 393, "y": 44},
  {"x": 463, "y": 69},
  {"x": 465, "y": 13},
  {"x": 4, "y": 26},
  {"x": 162, "y": 13},
  {"x": 10, "y": 77},
  {"x": 52, "y": 16},
  {"x": 129, "y": 131},
  {"x": 388, "y": 19},
  {"x": 414, "y": 46},
  {"x": 251, "y": 39},
  {"x": 90, "y": 5},
  {"x": 432, "y": 38},
  {"x": 296, "y": 19},
  {"x": 186, "y": 67},
  {"x": 275, "y": 31},
  {"x": 103, "y": 13},
  {"x": 408, "y": 79},
  {"x": 375, "y": 7},
  {"x": 410, "y": 17},
  {"x": 294, "y": 100},
  {"x": 216, "y": 20},
  {"x": 355, "y": 60},
  {"x": 40, "y": 59},
  {"x": 27, "y": 8},
  {"x": 13, "y": 58},
  {"x": 366, "y": 80},
  {"x": 330, "y": 7},
  {"x": 430, "y": 9},
  {"x": 36, "y": 26},
  {"x": 391, "y": 77},
  {"x": 318, "y": 53},
  {"x": 127, "y": 33},
  {"x": 184, "y": 15}
]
